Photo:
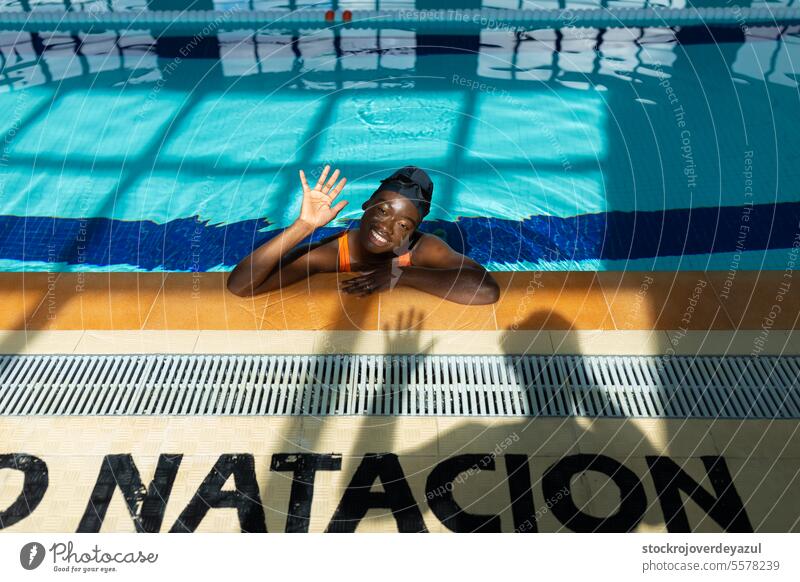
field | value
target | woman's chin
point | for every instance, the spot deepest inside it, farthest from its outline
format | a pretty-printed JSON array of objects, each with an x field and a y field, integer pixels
[{"x": 377, "y": 250}]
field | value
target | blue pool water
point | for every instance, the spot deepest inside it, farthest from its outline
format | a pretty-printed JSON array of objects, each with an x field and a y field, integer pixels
[{"x": 577, "y": 149}]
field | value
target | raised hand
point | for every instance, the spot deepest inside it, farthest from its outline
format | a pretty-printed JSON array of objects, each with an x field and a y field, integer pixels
[{"x": 316, "y": 210}]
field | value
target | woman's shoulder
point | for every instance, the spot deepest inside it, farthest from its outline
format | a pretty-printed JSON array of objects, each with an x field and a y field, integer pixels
[
  {"x": 426, "y": 241},
  {"x": 433, "y": 251},
  {"x": 417, "y": 240}
]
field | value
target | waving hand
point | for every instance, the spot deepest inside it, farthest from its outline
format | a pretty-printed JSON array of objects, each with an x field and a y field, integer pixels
[{"x": 318, "y": 209}]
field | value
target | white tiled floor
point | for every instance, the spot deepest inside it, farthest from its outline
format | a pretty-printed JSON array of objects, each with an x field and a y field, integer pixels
[
  {"x": 137, "y": 342},
  {"x": 610, "y": 342},
  {"x": 39, "y": 342},
  {"x": 587, "y": 342}
]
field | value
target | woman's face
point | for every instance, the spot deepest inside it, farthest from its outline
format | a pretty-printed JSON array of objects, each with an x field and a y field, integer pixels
[{"x": 389, "y": 220}]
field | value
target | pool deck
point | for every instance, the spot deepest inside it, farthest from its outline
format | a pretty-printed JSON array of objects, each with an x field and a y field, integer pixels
[
  {"x": 760, "y": 458},
  {"x": 87, "y": 461},
  {"x": 538, "y": 312}
]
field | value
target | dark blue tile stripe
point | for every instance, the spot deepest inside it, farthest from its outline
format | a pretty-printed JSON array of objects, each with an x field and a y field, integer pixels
[{"x": 188, "y": 244}]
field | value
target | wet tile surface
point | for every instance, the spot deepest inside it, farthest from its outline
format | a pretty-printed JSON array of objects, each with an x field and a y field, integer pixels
[
  {"x": 552, "y": 300},
  {"x": 556, "y": 301}
]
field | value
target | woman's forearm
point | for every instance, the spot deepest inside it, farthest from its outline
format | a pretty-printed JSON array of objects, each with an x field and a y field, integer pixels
[
  {"x": 465, "y": 285},
  {"x": 253, "y": 270}
]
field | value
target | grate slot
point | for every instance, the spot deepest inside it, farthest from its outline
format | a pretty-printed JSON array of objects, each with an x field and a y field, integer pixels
[{"x": 401, "y": 385}]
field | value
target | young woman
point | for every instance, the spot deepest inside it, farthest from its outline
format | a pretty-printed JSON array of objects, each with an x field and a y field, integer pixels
[{"x": 387, "y": 248}]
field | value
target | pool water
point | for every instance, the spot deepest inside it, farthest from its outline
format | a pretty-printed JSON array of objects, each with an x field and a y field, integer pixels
[{"x": 577, "y": 149}]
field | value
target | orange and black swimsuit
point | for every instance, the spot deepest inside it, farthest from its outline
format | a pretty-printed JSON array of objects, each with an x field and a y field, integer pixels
[{"x": 403, "y": 260}]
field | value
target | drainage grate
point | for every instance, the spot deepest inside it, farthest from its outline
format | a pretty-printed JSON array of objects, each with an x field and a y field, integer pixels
[{"x": 613, "y": 386}]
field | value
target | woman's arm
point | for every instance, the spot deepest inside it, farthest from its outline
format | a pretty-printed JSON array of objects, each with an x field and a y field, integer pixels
[
  {"x": 462, "y": 285},
  {"x": 263, "y": 270},
  {"x": 277, "y": 262},
  {"x": 438, "y": 270}
]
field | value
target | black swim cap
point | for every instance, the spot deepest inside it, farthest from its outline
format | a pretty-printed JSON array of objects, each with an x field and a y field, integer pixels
[{"x": 413, "y": 183}]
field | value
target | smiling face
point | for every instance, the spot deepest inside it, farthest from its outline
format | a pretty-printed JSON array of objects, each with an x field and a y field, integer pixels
[{"x": 388, "y": 221}]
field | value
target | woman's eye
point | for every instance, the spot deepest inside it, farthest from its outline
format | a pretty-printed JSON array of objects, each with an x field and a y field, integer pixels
[
  {"x": 383, "y": 211},
  {"x": 404, "y": 225}
]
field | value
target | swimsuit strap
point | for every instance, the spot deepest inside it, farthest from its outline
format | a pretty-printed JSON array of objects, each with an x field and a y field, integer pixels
[
  {"x": 404, "y": 260},
  {"x": 344, "y": 253}
]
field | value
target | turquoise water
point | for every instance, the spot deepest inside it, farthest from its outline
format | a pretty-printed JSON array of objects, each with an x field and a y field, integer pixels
[{"x": 580, "y": 149}]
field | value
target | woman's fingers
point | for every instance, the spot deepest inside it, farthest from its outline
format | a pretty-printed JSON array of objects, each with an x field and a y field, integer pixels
[
  {"x": 354, "y": 283},
  {"x": 357, "y": 290},
  {"x": 353, "y": 280},
  {"x": 368, "y": 276},
  {"x": 338, "y": 208},
  {"x": 358, "y": 284},
  {"x": 360, "y": 291},
  {"x": 329, "y": 184},
  {"x": 335, "y": 192},
  {"x": 303, "y": 181},
  {"x": 322, "y": 177}
]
